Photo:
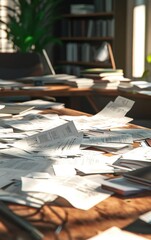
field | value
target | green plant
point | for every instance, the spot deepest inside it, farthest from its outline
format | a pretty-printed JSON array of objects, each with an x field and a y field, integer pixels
[
  {"x": 146, "y": 72},
  {"x": 30, "y": 24}
]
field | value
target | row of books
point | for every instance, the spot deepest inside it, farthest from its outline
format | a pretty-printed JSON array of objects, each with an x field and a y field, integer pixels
[
  {"x": 106, "y": 78},
  {"x": 104, "y": 5},
  {"x": 79, "y": 52},
  {"x": 132, "y": 182},
  {"x": 84, "y": 52},
  {"x": 98, "y": 6},
  {"x": 71, "y": 70},
  {"x": 90, "y": 28},
  {"x": 82, "y": 8}
]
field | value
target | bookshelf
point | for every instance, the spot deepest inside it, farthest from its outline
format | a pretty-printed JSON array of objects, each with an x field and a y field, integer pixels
[{"x": 82, "y": 31}]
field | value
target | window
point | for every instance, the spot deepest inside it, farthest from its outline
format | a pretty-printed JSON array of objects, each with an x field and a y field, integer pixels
[
  {"x": 5, "y": 45},
  {"x": 139, "y": 25}
]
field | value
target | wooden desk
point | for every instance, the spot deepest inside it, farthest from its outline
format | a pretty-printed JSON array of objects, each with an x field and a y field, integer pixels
[
  {"x": 79, "y": 224},
  {"x": 76, "y": 95},
  {"x": 63, "y": 91},
  {"x": 48, "y": 91}
]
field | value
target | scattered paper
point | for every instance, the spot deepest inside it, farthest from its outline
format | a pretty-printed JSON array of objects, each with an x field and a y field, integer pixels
[
  {"x": 115, "y": 233},
  {"x": 80, "y": 192}
]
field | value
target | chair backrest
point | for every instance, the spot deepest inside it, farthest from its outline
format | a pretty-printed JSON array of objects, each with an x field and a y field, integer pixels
[{"x": 16, "y": 65}]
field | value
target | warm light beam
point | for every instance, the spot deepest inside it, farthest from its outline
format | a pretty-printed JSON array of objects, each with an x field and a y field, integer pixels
[{"x": 139, "y": 19}]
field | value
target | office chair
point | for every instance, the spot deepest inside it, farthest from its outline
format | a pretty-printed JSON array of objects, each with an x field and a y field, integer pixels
[{"x": 15, "y": 65}]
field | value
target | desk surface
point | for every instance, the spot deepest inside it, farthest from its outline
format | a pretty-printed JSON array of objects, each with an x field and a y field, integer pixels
[
  {"x": 56, "y": 90},
  {"x": 48, "y": 91},
  {"x": 66, "y": 90},
  {"x": 80, "y": 224},
  {"x": 96, "y": 99},
  {"x": 62, "y": 91}
]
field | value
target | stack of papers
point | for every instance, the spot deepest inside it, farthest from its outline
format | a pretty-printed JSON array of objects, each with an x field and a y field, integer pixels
[
  {"x": 6, "y": 84},
  {"x": 15, "y": 109},
  {"x": 41, "y": 104},
  {"x": 135, "y": 86},
  {"x": 123, "y": 186},
  {"x": 66, "y": 79},
  {"x": 46, "y": 79},
  {"x": 80, "y": 82},
  {"x": 141, "y": 175},
  {"x": 105, "y": 78}
]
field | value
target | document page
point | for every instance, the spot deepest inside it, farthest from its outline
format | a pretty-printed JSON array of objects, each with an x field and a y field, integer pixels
[
  {"x": 80, "y": 192},
  {"x": 116, "y": 233},
  {"x": 118, "y": 108},
  {"x": 33, "y": 122},
  {"x": 13, "y": 169},
  {"x": 48, "y": 137},
  {"x": 136, "y": 134}
]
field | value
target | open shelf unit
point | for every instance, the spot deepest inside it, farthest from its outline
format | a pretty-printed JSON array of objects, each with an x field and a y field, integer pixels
[{"x": 83, "y": 33}]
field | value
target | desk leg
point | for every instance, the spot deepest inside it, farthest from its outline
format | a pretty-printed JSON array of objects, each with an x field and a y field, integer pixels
[
  {"x": 92, "y": 103},
  {"x": 75, "y": 103}
]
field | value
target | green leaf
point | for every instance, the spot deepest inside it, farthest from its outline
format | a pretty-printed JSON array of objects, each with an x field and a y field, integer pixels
[
  {"x": 145, "y": 74},
  {"x": 148, "y": 58},
  {"x": 30, "y": 24}
]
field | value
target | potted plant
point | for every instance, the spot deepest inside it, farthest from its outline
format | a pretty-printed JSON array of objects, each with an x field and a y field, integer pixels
[{"x": 29, "y": 25}]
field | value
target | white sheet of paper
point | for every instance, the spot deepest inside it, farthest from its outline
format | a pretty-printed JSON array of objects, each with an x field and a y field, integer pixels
[
  {"x": 80, "y": 192},
  {"x": 7, "y": 175},
  {"x": 100, "y": 167},
  {"x": 139, "y": 153},
  {"x": 113, "y": 115},
  {"x": 30, "y": 124},
  {"x": 64, "y": 170},
  {"x": 14, "y": 168},
  {"x": 118, "y": 108},
  {"x": 3, "y": 145},
  {"x": 6, "y": 130},
  {"x": 137, "y": 134},
  {"x": 108, "y": 138},
  {"x": 12, "y": 135},
  {"x": 108, "y": 123},
  {"x": 145, "y": 92},
  {"x": 142, "y": 84},
  {"x": 49, "y": 137},
  {"x": 146, "y": 217},
  {"x": 41, "y": 104},
  {"x": 88, "y": 162},
  {"x": 68, "y": 147},
  {"x": 115, "y": 233},
  {"x": 16, "y": 152},
  {"x": 14, "y": 194},
  {"x": 108, "y": 145}
]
